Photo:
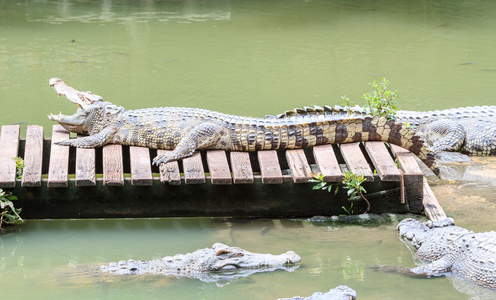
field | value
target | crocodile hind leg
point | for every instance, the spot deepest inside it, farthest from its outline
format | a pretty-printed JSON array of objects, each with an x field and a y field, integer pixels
[
  {"x": 200, "y": 137},
  {"x": 444, "y": 136}
]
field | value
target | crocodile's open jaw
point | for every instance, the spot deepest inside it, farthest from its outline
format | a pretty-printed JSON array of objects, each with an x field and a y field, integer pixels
[
  {"x": 85, "y": 102},
  {"x": 82, "y": 99}
]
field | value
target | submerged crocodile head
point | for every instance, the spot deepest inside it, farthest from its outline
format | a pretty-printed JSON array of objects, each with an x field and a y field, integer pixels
[
  {"x": 218, "y": 263},
  {"x": 227, "y": 257},
  {"x": 90, "y": 107},
  {"x": 416, "y": 233}
]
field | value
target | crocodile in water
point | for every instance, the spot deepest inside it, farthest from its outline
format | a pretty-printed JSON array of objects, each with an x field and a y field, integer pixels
[
  {"x": 220, "y": 263},
  {"x": 449, "y": 250}
]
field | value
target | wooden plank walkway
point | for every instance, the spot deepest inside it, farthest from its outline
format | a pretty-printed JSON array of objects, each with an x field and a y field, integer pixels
[{"x": 124, "y": 166}]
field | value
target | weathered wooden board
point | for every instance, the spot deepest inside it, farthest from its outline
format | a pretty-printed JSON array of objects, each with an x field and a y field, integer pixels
[
  {"x": 141, "y": 169},
  {"x": 85, "y": 167},
  {"x": 193, "y": 169},
  {"x": 432, "y": 208},
  {"x": 113, "y": 170},
  {"x": 355, "y": 160},
  {"x": 9, "y": 146},
  {"x": 33, "y": 157},
  {"x": 327, "y": 162},
  {"x": 406, "y": 160},
  {"x": 300, "y": 169},
  {"x": 241, "y": 167},
  {"x": 58, "y": 168},
  {"x": 269, "y": 167},
  {"x": 218, "y": 167},
  {"x": 169, "y": 172},
  {"x": 382, "y": 160}
]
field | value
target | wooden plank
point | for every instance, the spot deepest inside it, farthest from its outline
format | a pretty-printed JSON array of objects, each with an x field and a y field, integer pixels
[
  {"x": 382, "y": 161},
  {"x": 432, "y": 208},
  {"x": 85, "y": 167},
  {"x": 113, "y": 167},
  {"x": 269, "y": 167},
  {"x": 141, "y": 168},
  {"x": 413, "y": 178},
  {"x": 59, "y": 159},
  {"x": 33, "y": 157},
  {"x": 218, "y": 167},
  {"x": 355, "y": 160},
  {"x": 9, "y": 146},
  {"x": 327, "y": 162},
  {"x": 407, "y": 160},
  {"x": 169, "y": 172},
  {"x": 241, "y": 167},
  {"x": 300, "y": 169},
  {"x": 193, "y": 169}
]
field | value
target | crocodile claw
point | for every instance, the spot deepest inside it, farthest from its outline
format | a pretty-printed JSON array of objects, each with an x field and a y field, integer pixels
[
  {"x": 66, "y": 142},
  {"x": 161, "y": 159}
]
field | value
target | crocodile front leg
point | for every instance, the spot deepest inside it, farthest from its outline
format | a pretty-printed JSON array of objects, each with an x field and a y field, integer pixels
[
  {"x": 200, "y": 137},
  {"x": 92, "y": 141},
  {"x": 437, "y": 268}
]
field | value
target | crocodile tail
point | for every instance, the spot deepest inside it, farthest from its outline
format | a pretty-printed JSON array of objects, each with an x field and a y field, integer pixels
[
  {"x": 367, "y": 128},
  {"x": 309, "y": 130}
]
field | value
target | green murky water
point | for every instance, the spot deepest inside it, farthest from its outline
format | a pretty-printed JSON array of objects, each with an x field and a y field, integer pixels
[
  {"x": 250, "y": 58},
  {"x": 330, "y": 256}
]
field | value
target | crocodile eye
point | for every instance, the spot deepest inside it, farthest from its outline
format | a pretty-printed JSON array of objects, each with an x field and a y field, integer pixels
[{"x": 228, "y": 267}]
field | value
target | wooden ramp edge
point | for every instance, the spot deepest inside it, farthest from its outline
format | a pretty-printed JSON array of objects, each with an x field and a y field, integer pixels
[{"x": 432, "y": 209}]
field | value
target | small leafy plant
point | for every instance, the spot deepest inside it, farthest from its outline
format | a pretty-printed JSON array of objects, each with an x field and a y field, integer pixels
[
  {"x": 381, "y": 101},
  {"x": 348, "y": 210},
  {"x": 19, "y": 166},
  {"x": 321, "y": 184},
  {"x": 9, "y": 214},
  {"x": 351, "y": 182}
]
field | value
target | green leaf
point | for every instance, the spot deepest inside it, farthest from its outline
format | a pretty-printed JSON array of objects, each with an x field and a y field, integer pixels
[
  {"x": 18, "y": 221},
  {"x": 9, "y": 216}
]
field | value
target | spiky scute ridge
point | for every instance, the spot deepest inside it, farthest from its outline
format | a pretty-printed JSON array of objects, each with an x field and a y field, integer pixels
[
  {"x": 185, "y": 130},
  {"x": 451, "y": 250},
  {"x": 405, "y": 116}
]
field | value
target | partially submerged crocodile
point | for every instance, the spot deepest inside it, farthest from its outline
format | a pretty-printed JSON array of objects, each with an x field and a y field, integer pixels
[
  {"x": 468, "y": 130},
  {"x": 220, "y": 263},
  {"x": 186, "y": 130},
  {"x": 449, "y": 250},
  {"x": 341, "y": 292}
]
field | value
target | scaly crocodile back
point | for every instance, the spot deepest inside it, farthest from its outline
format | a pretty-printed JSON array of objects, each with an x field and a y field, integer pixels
[{"x": 417, "y": 117}]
